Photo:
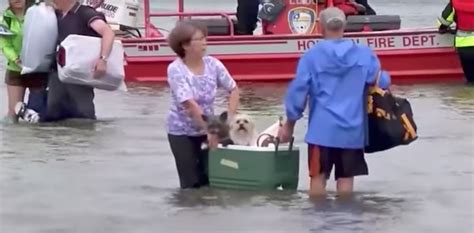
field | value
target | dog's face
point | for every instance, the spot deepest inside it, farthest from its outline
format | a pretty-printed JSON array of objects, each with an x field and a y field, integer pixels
[
  {"x": 242, "y": 124},
  {"x": 217, "y": 124}
]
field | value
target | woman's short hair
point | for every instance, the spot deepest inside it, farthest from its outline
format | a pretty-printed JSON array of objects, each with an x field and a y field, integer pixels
[{"x": 182, "y": 34}]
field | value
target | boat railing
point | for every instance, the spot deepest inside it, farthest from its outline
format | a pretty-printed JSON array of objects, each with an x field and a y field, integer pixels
[
  {"x": 225, "y": 15},
  {"x": 152, "y": 31}
]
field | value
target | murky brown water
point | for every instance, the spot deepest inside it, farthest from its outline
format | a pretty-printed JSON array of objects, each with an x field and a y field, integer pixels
[{"x": 118, "y": 175}]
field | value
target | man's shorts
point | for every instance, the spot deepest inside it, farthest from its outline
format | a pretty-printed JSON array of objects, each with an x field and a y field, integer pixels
[
  {"x": 347, "y": 162},
  {"x": 37, "y": 80}
]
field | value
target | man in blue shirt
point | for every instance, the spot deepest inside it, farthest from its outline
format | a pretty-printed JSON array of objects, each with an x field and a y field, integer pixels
[{"x": 332, "y": 77}]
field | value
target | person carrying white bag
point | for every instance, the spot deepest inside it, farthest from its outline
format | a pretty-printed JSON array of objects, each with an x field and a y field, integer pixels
[
  {"x": 11, "y": 39},
  {"x": 66, "y": 100},
  {"x": 38, "y": 50}
]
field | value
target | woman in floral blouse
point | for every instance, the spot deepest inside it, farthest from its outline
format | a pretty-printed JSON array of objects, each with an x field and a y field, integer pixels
[{"x": 194, "y": 78}]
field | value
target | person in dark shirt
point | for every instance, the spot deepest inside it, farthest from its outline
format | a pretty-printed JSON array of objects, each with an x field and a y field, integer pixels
[
  {"x": 65, "y": 100},
  {"x": 247, "y": 16},
  {"x": 368, "y": 9}
]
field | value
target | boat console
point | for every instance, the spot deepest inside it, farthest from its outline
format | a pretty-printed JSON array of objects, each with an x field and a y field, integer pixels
[
  {"x": 217, "y": 26},
  {"x": 362, "y": 23}
]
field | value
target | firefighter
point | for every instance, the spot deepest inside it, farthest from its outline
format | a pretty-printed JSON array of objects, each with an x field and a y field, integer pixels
[{"x": 462, "y": 13}]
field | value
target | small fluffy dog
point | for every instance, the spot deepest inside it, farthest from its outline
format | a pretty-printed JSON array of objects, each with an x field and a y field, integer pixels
[
  {"x": 218, "y": 125},
  {"x": 242, "y": 130}
]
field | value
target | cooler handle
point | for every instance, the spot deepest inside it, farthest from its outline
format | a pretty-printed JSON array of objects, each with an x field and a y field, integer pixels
[{"x": 277, "y": 144}]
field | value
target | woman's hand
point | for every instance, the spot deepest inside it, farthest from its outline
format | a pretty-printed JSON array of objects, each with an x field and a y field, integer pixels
[
  {"x": 233, "y": 102},
  {"x": 195, "y": 113},
  {"x": 213, "y": 141}
]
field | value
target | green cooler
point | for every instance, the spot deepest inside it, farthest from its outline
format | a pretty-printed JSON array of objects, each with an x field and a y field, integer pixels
[{"x": 254, "y": 168}]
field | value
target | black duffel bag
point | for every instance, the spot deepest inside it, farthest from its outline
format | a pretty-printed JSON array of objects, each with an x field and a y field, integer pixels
[{"x": 390, "y": 120}]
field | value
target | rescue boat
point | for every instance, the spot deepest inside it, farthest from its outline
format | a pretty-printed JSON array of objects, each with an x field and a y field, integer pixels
[{"x": 411, "y": 55}]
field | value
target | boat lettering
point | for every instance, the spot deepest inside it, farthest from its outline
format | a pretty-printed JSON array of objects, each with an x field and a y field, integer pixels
[
  {"x": 383, "y": 42},
  {"x": 109, "y": 10},
  {"x": 304, "y": 45},
  {"x": 419, "y": 41}
]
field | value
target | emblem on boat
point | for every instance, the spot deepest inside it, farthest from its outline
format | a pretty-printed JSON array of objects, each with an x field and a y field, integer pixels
[{"x": 301, "y": 20}]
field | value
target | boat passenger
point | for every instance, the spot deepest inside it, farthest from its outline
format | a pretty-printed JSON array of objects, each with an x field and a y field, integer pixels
[
  {"x": 333, "y": 77},
  {"x": 350, "y": 7},
  {"x": 194, "y": 79},
  {"x": 11, "y": 48},
  {"x": 462, "y": 13},
  {"x": 66, "y": 101},
  {"x": 247, "y": 16},
  {"x": 368, "y": 9}
]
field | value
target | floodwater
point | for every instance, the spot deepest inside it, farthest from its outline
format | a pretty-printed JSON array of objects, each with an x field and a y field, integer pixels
[{"x": 118, "y": 175}]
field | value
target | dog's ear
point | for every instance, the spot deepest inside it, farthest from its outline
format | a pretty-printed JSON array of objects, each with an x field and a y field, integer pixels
[
  {"x": 223, "y": 116},
  {"x": 204, "y": 117}
]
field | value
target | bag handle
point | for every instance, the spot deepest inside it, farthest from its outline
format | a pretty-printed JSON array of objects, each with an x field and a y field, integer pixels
[{"x": 377, "y": 78}]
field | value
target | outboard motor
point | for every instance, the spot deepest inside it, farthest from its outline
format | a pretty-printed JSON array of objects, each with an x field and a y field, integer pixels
[
  {"x": 120, "y": 14},
  {"x": 359, "y": 23}
]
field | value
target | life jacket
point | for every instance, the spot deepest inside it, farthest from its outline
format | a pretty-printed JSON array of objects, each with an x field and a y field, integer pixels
[
  {"x": 464, "y": 14},
  {"x": 346, "y": 6}
]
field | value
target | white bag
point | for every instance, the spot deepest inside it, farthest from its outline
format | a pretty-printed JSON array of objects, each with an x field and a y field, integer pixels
[
  {"x": 40, "y": 33},
  {"x": 77, "y": 57}
]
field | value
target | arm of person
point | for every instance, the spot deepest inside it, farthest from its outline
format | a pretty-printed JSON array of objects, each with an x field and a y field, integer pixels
[
  {"x": 298, "y": 91},
  {"x": 225, "y": 80},
  {"x": 446, "y": 18},
  {"x": 97, "y": 22},
  {"x": 8, "y": 50},
  {"x": 182, "y": 89},
  {"x": 375, "y": 72},
  {"x": 195, "y": 112}
]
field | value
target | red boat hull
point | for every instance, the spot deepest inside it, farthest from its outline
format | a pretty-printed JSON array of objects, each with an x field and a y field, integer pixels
[{"x": 409, "y": 56}]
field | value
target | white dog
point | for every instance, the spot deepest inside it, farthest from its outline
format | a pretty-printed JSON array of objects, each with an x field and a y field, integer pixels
[{"x": 242, "y": 130}]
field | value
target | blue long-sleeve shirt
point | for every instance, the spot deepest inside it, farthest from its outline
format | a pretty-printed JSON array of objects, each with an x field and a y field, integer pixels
[{"x": 333, "y": 77}]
